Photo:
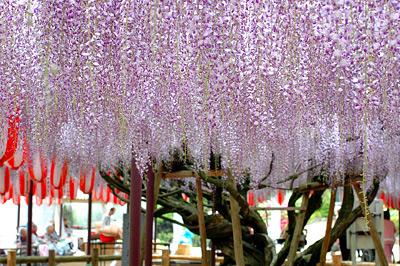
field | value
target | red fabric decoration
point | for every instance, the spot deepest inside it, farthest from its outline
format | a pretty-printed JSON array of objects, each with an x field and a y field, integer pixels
[
  {"x": 72, "y": 194},
  {"x": 39, "y": 201},
  {"x": 389, "y": 203},
  {"x": 108, "y": 194},
  {"x": 11, "y": 192},
  {"x": 50, "y": 201},
  {"x": 22, "y": 183},
  {"x": 250, "y": 198},
  {"x": 100, "y": 193},
  {"x": 43, "y": 190},
  {"x": 82, "y": 182},
  {"x": 15, "y": 165},
  {"x": 12, "y": 139},
  {"x": 382, "y": 196},
  {"x": 5, "y": 180},
  {"x": 260, "y": 199},
  {"x": 43, "y": 168},
  {"x": 280, "y": 197},
  {"x": 107, "y": 239},
  {"x": 59, "y": 192},
  {"x": 17, "y": 200},
  {"x": 63, "y": 174},
  {"x": 60, "y": 195}
]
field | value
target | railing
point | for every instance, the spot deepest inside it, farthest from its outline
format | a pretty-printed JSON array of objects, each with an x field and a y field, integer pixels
[
  {"x": 52, "y": 260},
  {"x": 94, "y": 259}
]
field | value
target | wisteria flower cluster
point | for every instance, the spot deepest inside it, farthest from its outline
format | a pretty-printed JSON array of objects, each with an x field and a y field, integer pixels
[{"x": 301, "y": 81}]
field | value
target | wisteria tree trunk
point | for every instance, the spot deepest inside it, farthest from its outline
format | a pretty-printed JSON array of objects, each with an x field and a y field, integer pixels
[{"x": 259, "y": 249}]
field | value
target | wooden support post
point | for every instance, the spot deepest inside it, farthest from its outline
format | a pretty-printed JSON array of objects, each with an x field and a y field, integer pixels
[
  {"x": 372, "y": 229},
  {"x": 213, "y": 247},
  {"x": 95, "y": 257},
  {"x": 89, "y": 231},
  {"x": 327, "y": 239},
  {"x": 135, "y": 201},
  {"x": 30, "y": 211},
  {"x": 52, "y": 257},
  {"x": 18, "y": 217},
  {"x": 149, "y": 217},
  {"x": 11, "y": 258},
  {"x": 61, "y": 220},
  {"x": 202, "y": 223},
  {"x": 156, "y": 180},
  {"x": 236, "y": 226},
  {"x": 157, "y": 185},
  {"x": 165, "y": 258},
  {"x": 297, "y": 231}
]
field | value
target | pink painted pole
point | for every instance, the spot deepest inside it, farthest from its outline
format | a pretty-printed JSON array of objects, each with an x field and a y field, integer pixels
[
  {"x": 135, "y": 213},
  {"x": 149, "y": 217}
]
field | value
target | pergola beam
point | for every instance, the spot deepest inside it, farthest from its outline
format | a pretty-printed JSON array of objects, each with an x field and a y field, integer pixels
[{"x": 189, "y": 173}]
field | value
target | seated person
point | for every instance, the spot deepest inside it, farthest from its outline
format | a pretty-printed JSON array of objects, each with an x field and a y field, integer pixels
[
  {"x": 36, "y": 240},
  {"x": 22, "y": 238},
  {"x": 54, "y": 242},
  {"x": 51, "y": 236},
  {"x": 110, "y": 232},
  {"x": 22, "y": 243}
]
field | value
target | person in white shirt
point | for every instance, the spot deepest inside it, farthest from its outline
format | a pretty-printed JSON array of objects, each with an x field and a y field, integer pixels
[
  {"x": 109, "y": 232},
  {"x": 107, "y": 218}
]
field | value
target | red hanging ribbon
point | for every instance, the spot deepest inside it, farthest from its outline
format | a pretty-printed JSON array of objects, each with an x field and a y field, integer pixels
[
  {"x": 39, "y": 201},
  {"x": 280, "y": 197},
  {"x": 108, "y": 194},
  {"x": 250, "y": 198},
  {"x": 82, "y": 182},
  {"x": 382, "y": 196},
  {"x": 43, "y": 189},
  {"x": 52, "y": 194},
  {"x": 16, "y": 165},
  {"x": 22, "y": 183},
  {"x": 63, "y": 174},
  {"x": 11, "y": 192},
  {"x": 17, "y": 200},
  {"x": 5, "y": 176},
  {"x": 260, "y": 199},
  {"x": 71, "y": 188},
  {"x": 43, "y": 169},
  {"x": 389, "y": 202},
  {"x": 98, "y": 193},
  {"x": 12, "y": 139}
]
